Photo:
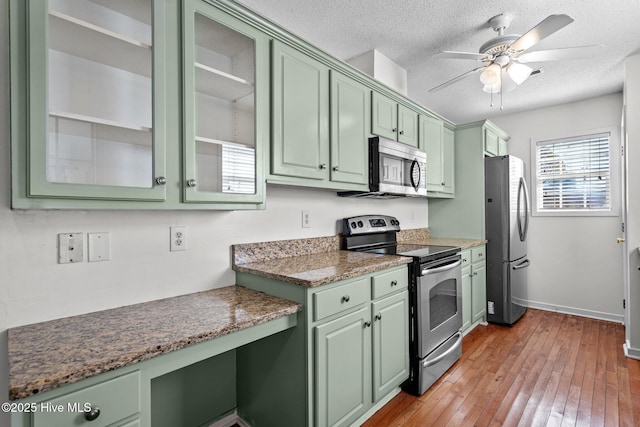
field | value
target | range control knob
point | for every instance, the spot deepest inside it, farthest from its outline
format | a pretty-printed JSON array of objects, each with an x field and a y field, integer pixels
[
  {"x": 353, "y": 225},
  {"x": 360, "y": 224}
]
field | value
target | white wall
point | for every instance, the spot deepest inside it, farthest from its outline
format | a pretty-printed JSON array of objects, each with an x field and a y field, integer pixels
[
  {"x": 34, "y": 287},
  {"x": 576, "y": 262}
]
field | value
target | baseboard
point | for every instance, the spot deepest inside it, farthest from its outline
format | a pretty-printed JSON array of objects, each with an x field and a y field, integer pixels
[
  {"x": 618, "y": 318},
  {"x": 631, "y": 353},
  {"x": 377, "y": 407}
]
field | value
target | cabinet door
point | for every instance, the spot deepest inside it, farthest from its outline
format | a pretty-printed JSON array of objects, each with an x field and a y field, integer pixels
[
  {"x": 479, "y": 291},
  {"x": 343, "y": 369},
  {"x": 225, "y": 106},
  {"x": 384, "y": 116},
  {"x": 502, "y": 147},
  {"x": 407, "y": 126},
  {"x": 466, "y": 297},
  {"x": 491, "y": 145},
  {"x": 390, "y": 343},
  {"x": 96, "y": 96},
  {"x": 350, "y": 124},
  {"x": 300, "y": 115},
  {"x": 448, "y": 162},
  {"x": 431, "y": 140}
]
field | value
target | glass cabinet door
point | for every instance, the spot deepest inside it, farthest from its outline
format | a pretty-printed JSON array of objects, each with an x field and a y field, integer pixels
[
  {"x": 225, "y": 67},
  {"x": 93, "y": 86}
]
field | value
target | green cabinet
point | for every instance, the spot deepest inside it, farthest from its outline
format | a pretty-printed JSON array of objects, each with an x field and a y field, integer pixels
[
  {"x": 438, "y": 142},
  {"x": 474, "y": 291},
  {"x": 97, "y": 119},
  {"x": 495, "y": 143},
  {"x": 464, "y": 215},
  {"x": 320, "y": 122},
  {"x": 225, "y": 115},
  {"x": 393, "y": 120},
  {"x": 347, "y": 355}
]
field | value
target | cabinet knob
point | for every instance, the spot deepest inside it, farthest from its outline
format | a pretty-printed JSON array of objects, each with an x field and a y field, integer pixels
[
  {"x": 346, "y": 298},
  {"x": 442, "y": 184},
  {"x": 378, "y": 316},
  {"x": 336, "y": 168},
  {"x": 161, "y": 180},
  {"x": 401, "y": 132},
  {"x": 464, "y": 260},
  {"x": 92, "y": 414},
  {"x": 367, "y": 324},
  {"x": 323, "y": 166},
  {"x": 191, "y": 183},
  {"x": 394, "y": 283}
]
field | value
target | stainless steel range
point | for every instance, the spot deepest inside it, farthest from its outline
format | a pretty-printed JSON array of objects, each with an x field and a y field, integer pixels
[{"x": 435, "y": 295}]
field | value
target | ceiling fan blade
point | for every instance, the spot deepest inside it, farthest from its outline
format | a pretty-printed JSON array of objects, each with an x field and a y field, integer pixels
[
  {"x": 461, "y": 55},
  {"x": 548, "y": 26},
  {"x": 455, "y": 79},
  {"x": 560, "y": 54}
]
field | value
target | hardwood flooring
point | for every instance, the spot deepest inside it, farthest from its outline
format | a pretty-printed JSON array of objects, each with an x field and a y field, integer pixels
[{"x": 550, "y": 369}]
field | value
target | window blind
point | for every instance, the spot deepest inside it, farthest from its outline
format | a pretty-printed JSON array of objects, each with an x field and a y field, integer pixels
[
  {"x": 238, "y": 170},
  {"x": 574, "y": 174}
]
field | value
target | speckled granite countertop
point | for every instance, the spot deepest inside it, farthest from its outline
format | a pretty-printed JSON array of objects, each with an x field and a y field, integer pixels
[
  {"x": 422, "y": 236},
  {"x": 47, "y": 355}
]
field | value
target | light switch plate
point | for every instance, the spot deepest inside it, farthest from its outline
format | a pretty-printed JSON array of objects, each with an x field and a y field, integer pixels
[
  {"x": 70, "y": 248},
  {"x": 99, "y": 247}
]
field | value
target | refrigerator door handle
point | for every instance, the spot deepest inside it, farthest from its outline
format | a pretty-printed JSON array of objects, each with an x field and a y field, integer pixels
[
  {"x": 522, "y": 190},
  {"x": 526, "y": 207},
  {"x": 523, "y": 264}
]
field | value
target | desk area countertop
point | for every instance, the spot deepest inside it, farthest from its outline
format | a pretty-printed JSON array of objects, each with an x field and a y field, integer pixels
[{"x": 47, "y": 355}]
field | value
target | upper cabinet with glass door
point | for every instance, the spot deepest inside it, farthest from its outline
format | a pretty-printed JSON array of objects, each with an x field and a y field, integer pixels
[
  {"x": 92, "y": 89},
  {"x": 225, "y": 101}
]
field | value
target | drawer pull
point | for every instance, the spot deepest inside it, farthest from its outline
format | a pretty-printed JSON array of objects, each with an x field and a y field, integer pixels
[
  {"x": 394, "y": 283},
  {"x": 346, "y": 298},
  {"x": 92, "y": 413}
]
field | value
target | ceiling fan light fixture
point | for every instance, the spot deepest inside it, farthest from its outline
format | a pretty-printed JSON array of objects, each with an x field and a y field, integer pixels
[
  {"x": 519, "y": 72},
  {"x": 494, "y": 88},
  {"x": 491, "y": 75}
]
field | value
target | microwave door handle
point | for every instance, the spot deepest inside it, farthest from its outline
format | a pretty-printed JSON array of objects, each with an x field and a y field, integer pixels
[{"x": 415, "y": 183}]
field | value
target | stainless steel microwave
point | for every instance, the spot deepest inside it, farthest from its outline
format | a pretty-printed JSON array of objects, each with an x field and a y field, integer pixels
[{"x": 395, "y": 170}]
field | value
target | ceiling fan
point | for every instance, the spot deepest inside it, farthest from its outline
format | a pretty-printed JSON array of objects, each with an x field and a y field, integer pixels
[{"x": 504, "y": 57}]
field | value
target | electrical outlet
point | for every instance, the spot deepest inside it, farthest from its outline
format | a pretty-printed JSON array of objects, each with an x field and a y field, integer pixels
[
  {"x": 306, "y": 219},
  {"x": 178, "y": 236}
]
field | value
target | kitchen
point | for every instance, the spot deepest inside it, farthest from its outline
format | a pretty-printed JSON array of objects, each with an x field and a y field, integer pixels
[{"x": 140, "y": 252}]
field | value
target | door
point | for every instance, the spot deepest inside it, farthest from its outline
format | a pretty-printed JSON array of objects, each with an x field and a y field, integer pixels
[
  {"x": 343, "y": 368},
  {"x": 350, "y": 124},
  {"x": 623, "y": 226},
  {"x": 300, "y": 115},
  {"x": 390, "y": 343},
  {"x": 431, "y": 141},
  {"x": 407, "y": 126},
  {"x": 518, "y": 205},
  {"x": 384, "y": 116},
  {"x": 225, "y": 104},
  {"x": 96, "y": 97}
]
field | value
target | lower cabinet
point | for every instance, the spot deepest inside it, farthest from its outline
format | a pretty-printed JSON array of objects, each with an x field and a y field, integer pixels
[
  {"x": 474, "y": 287},
  {"x": 353, "y": 352}
]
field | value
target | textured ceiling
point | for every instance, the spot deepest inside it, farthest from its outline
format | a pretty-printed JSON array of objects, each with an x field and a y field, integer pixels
[{"x": 410, "y": 32}]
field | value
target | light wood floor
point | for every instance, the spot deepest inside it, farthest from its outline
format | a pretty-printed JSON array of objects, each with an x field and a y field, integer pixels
[{"x": 550, "y": 369}]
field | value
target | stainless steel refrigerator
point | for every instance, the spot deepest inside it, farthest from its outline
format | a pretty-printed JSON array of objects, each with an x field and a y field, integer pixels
[{"x": 506, "y": 225}]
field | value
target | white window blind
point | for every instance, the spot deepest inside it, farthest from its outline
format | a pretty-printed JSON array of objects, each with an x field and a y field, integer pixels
[
  {"x": 574, "y": 174},
  {"x": 238, "y": 170}
]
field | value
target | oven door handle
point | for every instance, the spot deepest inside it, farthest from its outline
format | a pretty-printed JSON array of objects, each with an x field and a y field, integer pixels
[
  {"x": 428, "y": 363},
  {"x": 440, "y": 269}
]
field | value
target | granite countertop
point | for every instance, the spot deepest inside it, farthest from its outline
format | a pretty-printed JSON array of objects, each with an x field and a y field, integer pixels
[
  {"x": 445, "y": 241},
  {"x": 47, "y": 355},
  {"x": 321, "y": 268}
]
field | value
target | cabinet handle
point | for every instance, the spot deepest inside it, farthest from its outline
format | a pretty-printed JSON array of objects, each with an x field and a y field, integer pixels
[
  {"x": 464, "y": 260},
  {"x": 367, "y": 324},
  {"x": 92, "y": 414},
  {"x": 401, "y": 132},
  {"x": 346, "y": 298},
  {"x": 394, "y": 130},
  {"x": 378, "y": 316},
  {"x": 161, "y": 180},
  {"x": 442, "y": 184},
  {"x": 191, "y": 183},
  {"x": 323, "y": 166},
  {"x": 475, "y": 273},
  {"x": 336, "y": 168},
  {"x": 394, "y": 283}
]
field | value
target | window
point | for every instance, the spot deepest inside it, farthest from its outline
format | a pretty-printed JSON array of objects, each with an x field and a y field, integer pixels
[
  {"x": 573, "y": 175},
  {"x": 238, "y": 170}
]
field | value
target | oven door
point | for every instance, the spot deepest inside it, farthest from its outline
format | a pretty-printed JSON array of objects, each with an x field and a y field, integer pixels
[{"x": 439, "y": 303}]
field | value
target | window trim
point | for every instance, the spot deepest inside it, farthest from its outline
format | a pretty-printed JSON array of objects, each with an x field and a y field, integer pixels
[{"x": 614, "y": 159}]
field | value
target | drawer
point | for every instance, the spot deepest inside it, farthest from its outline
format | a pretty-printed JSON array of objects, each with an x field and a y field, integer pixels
[
  {"x": 466, "y": 257},
  {"x": 389, "y": 282},
  {"x": 117, "y": 399},
  {"x": 340, "y": 298},
  {"x": 478, "y": 253}
]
